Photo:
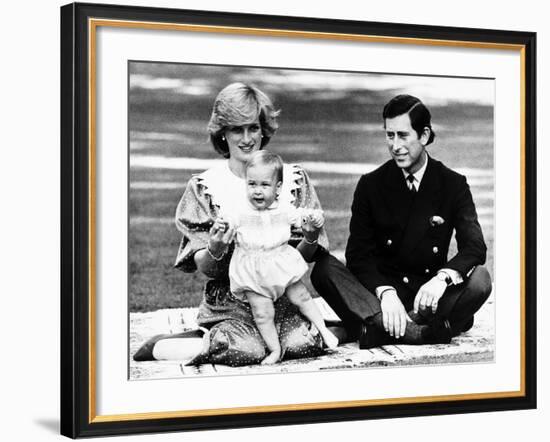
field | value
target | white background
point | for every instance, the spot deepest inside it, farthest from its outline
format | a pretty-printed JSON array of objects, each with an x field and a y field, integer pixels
[{"x": 29, "y": 81}]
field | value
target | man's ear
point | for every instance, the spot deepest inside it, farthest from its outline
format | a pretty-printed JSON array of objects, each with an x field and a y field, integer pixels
[{"x": 425, "y": 136}]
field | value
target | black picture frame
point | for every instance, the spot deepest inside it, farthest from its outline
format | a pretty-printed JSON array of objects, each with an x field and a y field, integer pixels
[{"x": 77, "y": 250}]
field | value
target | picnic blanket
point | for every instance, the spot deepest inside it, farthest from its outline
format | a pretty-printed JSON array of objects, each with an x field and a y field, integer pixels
[{"x": 476, "y": 345}]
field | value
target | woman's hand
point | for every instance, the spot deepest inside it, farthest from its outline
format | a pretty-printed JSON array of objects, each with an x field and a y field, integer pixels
[
  {"x": 221, "y": 235},
  {"x": 312, "y": 222}
]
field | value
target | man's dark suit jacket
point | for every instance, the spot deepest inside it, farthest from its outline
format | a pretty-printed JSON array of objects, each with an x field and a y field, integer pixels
[{"x": 394, "y": 236}]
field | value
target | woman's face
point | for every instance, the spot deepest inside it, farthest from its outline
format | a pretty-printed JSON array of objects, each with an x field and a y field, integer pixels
[{"x": 243, "y": 140}]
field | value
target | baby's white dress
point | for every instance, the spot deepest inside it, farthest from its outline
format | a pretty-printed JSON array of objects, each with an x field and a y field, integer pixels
[{"x": 263, "y": 262}]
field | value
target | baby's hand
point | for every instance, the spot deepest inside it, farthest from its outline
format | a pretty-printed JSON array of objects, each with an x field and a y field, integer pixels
[
  {"x": 314, "y": 219},
  {"x": 220, "y": 225},
  {"x": 317, "y": 218}
]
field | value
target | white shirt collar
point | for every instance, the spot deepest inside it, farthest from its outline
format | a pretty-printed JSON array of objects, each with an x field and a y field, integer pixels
[{"x": 418, "y": 174}]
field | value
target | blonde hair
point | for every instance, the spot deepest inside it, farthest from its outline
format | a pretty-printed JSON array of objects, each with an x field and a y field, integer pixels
[
  {"x": 266, "y": 158},
  {"x": 238, "y": 104}
]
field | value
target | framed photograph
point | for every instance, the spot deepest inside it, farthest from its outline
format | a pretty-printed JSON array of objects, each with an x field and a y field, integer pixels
[{"x": 274, "y": 220}]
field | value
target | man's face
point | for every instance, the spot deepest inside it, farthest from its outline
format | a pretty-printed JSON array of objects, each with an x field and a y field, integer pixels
[{"x": 406, "y": 148}]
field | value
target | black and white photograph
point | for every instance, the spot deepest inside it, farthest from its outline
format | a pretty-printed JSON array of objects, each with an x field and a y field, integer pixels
[
  {"x": 275, "y": 221},
  {"x": 291, "y": 220}
]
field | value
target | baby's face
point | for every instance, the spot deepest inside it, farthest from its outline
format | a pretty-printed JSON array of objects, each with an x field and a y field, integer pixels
[{"x": 262, "y": 187}]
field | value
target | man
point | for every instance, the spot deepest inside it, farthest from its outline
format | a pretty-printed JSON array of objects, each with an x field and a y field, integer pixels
[{"x": 402, "y": 288}]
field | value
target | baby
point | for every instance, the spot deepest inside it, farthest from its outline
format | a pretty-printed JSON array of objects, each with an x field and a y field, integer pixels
[{"x": 264, "y": 266}]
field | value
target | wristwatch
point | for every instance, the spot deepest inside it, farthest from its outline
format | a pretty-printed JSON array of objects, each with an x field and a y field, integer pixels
[{"x": 444, "y": 276}]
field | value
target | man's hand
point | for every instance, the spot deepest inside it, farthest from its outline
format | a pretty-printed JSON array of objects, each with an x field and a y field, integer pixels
[
  {"x": 429, "y": 294},
  {"x": 393, "y": 314}
]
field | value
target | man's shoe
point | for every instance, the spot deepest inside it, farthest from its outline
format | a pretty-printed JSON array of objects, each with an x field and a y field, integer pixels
[
  {"x": 439, "y": 332},
  {"x": 467, "y": 325},
  {"x": 341, "y": 333},
  {"x": 371, "y": 336}
]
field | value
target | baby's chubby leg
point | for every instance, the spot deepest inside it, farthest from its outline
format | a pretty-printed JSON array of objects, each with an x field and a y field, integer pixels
[
  {"x": 299, "y": 295},
  {"x": 264, "y": 317}
]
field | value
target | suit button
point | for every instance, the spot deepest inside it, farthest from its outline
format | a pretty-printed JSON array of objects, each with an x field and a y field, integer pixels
[
  {"x": 427, "y": 271},
  {"x": 405, "y": 280},
  {"x": 435, "y": 249},
  {"x": 389, "y": 242}
]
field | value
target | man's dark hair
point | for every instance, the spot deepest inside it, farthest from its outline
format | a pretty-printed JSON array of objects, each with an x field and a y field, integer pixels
[{"x": 418, "y": 113}]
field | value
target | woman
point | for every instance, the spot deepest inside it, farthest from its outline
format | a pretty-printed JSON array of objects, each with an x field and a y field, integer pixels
[{"x": 243, "y": 121}]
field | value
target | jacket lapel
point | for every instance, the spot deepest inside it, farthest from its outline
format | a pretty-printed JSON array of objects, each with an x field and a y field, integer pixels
[{"x": 425, "y": 204}]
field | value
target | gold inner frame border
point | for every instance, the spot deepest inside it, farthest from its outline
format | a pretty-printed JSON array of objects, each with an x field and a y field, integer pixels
[{"x": 93, "y": 24}]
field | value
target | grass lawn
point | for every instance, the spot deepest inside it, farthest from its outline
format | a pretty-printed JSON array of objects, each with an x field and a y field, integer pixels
[
  {"x": 346, "y": 128},
  {"x": 154, "y": 240}
]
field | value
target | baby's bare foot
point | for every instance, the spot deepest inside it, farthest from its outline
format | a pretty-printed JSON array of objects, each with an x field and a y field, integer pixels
[
  {"x": 271, "y": 358},
  {"x": 331, "y": 341}
]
